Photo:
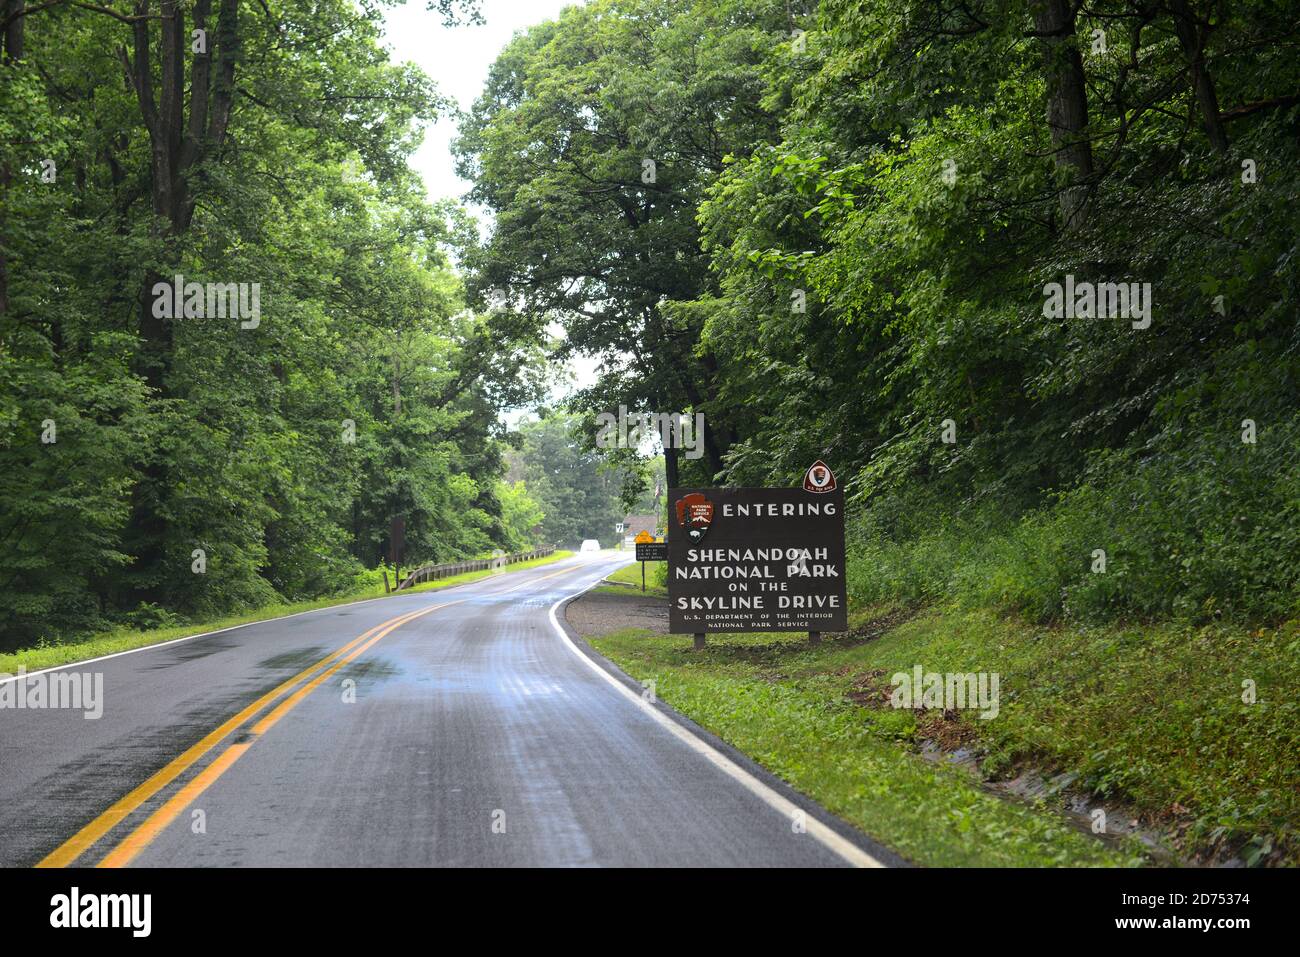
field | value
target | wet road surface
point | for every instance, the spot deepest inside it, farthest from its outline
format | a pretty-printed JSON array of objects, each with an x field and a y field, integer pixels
[{"x": 452, "y": 728}]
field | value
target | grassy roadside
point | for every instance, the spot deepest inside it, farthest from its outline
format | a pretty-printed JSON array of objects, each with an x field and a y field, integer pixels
[
  {"x": 52, "y": 654},
  {"x": 1151, "y": 717},
  {"x": 631, "y": 575},
  {"x": 774, "y": 698}
]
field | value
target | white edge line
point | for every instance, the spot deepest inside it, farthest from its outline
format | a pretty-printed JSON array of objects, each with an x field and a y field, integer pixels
[
  {"x": 206, "y": 634},
  {"x": 824, "y": 835}
]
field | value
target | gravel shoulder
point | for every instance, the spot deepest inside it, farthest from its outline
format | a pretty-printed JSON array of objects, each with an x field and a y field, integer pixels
[{"x": 614, "y": 607}]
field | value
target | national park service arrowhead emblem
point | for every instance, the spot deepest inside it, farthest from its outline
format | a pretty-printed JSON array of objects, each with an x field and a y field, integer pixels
[
  {"x": 819, "y": 478},
  {"x": 695, "y": 514}
]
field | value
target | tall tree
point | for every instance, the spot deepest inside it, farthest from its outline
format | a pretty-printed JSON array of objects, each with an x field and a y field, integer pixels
[{"x": 592, "y": 145}]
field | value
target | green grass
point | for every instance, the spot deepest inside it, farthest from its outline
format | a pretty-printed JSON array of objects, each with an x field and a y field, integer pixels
[
  {"x": 52, "y": 654},
  {"x": 655, "y": 579},
  {"x": 1149, "y": 717},
  {"x": 782, "y": 702}
]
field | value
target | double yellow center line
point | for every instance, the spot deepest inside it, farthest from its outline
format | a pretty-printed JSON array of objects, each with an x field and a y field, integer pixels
[{"x": 135, "y": 842}]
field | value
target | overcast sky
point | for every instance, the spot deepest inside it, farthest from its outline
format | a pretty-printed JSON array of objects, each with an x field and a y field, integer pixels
[{"x": 457, "y": 59}]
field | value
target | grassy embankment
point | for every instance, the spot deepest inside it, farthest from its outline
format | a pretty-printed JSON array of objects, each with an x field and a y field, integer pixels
[
  {"x": 370, "y": 586},
  {"x": 1149, "y": 719}
]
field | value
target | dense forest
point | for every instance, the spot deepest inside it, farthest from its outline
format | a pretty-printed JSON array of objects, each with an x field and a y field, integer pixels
[
  {"x": 845, "y": 231},
  {"x": 206, "y": 463},
  {"x": 580, "y": 492},
  {"x": 833, "y": 229}
]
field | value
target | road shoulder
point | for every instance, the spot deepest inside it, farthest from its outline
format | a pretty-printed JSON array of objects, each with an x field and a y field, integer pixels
[
  {"x": 598, "y": 607},
  {"x": 764, "y": 700}
]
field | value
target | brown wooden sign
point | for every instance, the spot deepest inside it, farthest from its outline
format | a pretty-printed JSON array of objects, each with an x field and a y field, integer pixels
[{"x": 756, "y": 559}]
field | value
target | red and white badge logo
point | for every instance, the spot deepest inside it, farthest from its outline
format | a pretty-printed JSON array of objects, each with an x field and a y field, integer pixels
[
  {"x": 695, "y": 514},
  {"x": 819, "y": 478}
]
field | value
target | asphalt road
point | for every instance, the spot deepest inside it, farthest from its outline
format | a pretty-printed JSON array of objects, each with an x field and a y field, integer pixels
[{"x": 475, "y": 733}]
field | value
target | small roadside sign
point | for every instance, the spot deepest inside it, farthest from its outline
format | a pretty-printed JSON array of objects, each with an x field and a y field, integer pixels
[
  {"x": 648, "y": 550},
  {"x": 652, "y": 551}
]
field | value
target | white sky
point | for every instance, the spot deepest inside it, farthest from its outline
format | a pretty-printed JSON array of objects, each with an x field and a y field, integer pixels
[{"x": 458, "y": 58}]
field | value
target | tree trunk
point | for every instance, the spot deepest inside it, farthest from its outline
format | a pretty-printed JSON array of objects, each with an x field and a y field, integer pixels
[
  {"x": 397, "y": 521},
  {"x": 178, "y": 146},
  {"x": 396, "y": 541},
  {"x": 12, "y": 52},
  {"x": 1067, "y": 104},
  {"x": 1191, "y": 37},
  {"x": 13, "y": 39}
]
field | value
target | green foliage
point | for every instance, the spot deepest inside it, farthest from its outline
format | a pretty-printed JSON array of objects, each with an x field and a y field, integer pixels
[
  {"x": 521, "y": 514},
  {"x": 917, "y": 210},
  {"x": 846, "y": 252},
  {"x": 879, "y": 235},
  {"x": 559, "y": 147},
  {"x": 281, "y": 452},
  {"x": 1175, "y": 545},
  {"x": 579, "y": 497}
]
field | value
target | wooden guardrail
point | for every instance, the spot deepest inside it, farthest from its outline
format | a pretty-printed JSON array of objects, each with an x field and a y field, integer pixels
[{"x": 428, "y": 573}]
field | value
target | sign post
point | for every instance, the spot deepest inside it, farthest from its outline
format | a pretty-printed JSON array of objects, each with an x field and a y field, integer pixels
[
  {"x": 648, "y": 550},
  {"x": 758, "y": 559}
]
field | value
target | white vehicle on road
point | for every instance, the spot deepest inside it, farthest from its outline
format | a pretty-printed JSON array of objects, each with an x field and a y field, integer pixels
[{"x": 590, "y": 545}]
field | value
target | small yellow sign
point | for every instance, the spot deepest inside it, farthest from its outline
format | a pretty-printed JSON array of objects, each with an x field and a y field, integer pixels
[{"x": 643, "y": 536}]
